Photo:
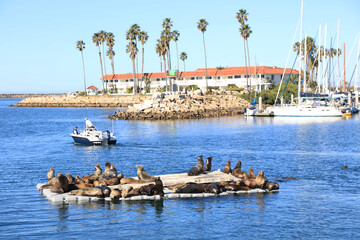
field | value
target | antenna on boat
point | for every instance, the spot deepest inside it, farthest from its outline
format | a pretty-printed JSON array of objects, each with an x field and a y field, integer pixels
[{"x": 301, "y": 21}]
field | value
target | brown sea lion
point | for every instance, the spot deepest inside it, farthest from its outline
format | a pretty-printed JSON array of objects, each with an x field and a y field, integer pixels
[
  {"x": 271, "y": 186},
  {"x": 153, "y": 189},
  {"x": 227, "y": 168},
  {"x": 83, "y": 185},
  {"x": 120, "y": 176},
  {"x": 232, "y": 187},
  {"x": 178, "y": 185},
  {"x": 113, "y": 181},
  {"x": 250, "y": 183},
  {"x": 289, "y": 178},
  {"x": 196, "y": 188},
  {"x": 92, "y": 192},
  {"x": 251, "y": 173},
  {"x": 57, "y": 184},
  {"x": 115, "y": 194},
  {"x": 198, "y": 168},
  {"x": 237, "y": 172},
  {"x": 142, "y": 175},
  {"x": 71, "y": 179},
  {"x": 113, "y": 170},
  {"x": 260, "y": 180},
  {"x": 125, "y": 191},
  {"x": 51, "y": 174},
  {"x": 207, "y": 167},
  {"x": 130, "y": 180}
]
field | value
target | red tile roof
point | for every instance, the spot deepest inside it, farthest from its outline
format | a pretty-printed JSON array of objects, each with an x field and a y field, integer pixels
[
  {"x": 210, "y": 72},
  {"x": 92, "y": 87}
]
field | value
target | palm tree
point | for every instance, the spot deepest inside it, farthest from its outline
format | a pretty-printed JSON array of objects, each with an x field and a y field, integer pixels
[
  {"x": 102, "y": 35},
  {"x": 245, "y": 32},
  {"x": 142, "y": 37},
  {"x": 159, "y": 52},
  {"x": 166, "y": 37},
  {"x": 183, "y": 57},
  {"x": 110, "y": 42},
  {"x": 132, "y": 49},
  {"x": 241, "y": 16},
  {"x": 97, "y": 40},
  {"x": 80, "y": 45},
  {"x": 161, "y": 47},
  {"x": 175, "y": 37},
  {"x": 202, "y": 25}
]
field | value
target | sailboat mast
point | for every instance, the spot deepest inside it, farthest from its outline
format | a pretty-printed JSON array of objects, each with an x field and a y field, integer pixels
[
  {"x": 301, "y": 21},
  {"x": 324, "y": 61},
  {"x": 344, "y": 88},
  {"x": 305, "y": 59},
  {"x": 319, "y": 64},
  {"x": 356, "y": 78},
  {"x": 337, "y": 56}
]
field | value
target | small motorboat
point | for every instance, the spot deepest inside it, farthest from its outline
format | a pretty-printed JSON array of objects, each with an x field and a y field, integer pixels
[{"x": 90, "y": 136}]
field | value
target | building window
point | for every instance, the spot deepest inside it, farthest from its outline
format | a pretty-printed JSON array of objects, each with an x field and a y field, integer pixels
[
  {"x": 111, "y": 80},
  {"x": 262, "y": 76},
  {"x": 131, "y": 80},
  {"x": 272, "y": 77},
  {"x": 230, "y": 77},
  {"x": 218, "y": 77},
  {"x": 116, "y": 80},
  {"x": 192, "y": 78},
  {"x": 209, "y": 77},
  {"x": 158, "y": 79},
  {"x": 180, "y": 78},
  {"x": 237, "y": 76},
  {"x": 198, "y": 77},
  {"x": 163, "y": 79},
  {"x": 126, "y": 80}
]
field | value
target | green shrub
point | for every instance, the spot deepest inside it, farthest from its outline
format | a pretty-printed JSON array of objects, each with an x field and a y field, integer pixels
[
  {"x": 129, "y": 89},
  {"x": 192, "y": 87}
]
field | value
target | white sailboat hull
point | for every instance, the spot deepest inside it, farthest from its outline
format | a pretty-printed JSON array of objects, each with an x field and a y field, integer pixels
[{"x": 304, "y": 111}]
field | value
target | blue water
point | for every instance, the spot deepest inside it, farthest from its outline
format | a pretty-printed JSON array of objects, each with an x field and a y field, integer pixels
[{"x": 323, "y": 202}]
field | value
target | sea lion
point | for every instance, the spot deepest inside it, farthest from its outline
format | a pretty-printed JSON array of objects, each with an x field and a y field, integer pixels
[
  {"x": 83, "y": 185},
  {"x": 120, "y": 176},
  {"x": 142, "y": 175},
  {"x": 232, "y": 187},
  {"x": 70, "y": 178},
  {"x": 178, "y": 185},
  {"x": 260, "y": 180},
  {"x": 198, "y": 168},
  {"x": 153, "y": 189},
  {"x": 207, "y": 167},
  {"x": 345, "y": 167},
  {"x": 250, "y": 183},
  {"x": 227, "y": 168},
  {"x": 271, "y": 186},
  {"x": 51, "y": 174},
  {"x": 125, "y": 191},
  {"x": 288, "y": 178},
  {"x": 92, "y": 192},
  {"x": 98, "y": 170},
  {"x": 196, "y": 188},
  {"x": 130, "y": 180},
  {"x": 251, "y": 173},
  {"x": 115, "y": 194},
  {"x": 113, "y": 170},
  {"x": 57, "y": 184},
  {"x": 238, "y": 173},
  {"x": 113, "y": 181}
]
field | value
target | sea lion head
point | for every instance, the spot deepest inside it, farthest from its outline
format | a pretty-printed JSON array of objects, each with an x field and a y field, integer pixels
[
  {"x": 120, "y": 176},
  {"x": 238, "y": 165},
  {"x": 158, "y": 181},
  {"x": 97, "y": 164},
  {"x": 107, "y": 165},
  {"x": 115, "y": 194},
  {"x": 139, "y": 167}
]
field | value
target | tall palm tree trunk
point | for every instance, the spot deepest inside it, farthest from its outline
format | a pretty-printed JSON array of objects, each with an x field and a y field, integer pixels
[
  {"x": 184, "y": 66},
  {"x": 166, "y": 80},
  {"x": 101, "y": 65},
  {"x": 248, "y": 57},
  {"x": 82, "y": 56},
  {"x": 168, "y": 65},
  {"x": 134, "y": 77},
  {"x": 160, "y": 64},
  {"x": 177, "y": 52},
  {"x": 247, "y": 79},
  {"x": 104, "y": 90},
  {"x": 142, "y": 67},
  {"x": 206, "y": 78}
]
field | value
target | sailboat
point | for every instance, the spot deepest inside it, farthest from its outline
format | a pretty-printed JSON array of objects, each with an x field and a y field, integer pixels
[{"x": 306, "y": 106}]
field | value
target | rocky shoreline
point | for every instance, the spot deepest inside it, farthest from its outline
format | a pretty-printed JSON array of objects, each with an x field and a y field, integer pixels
[
  {"x": 80, "y": 101},
  {"x": 27, "y": 95},
  {"x": 163, "y": 107}
]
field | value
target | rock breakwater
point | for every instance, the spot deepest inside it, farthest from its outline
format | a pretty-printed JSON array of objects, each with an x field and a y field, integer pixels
[
  {"x": 162, "y": 107},
  {"x": 81, "y": 101}
]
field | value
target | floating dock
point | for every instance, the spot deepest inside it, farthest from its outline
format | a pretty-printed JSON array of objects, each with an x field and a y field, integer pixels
[{"x": 170, "y": 179}]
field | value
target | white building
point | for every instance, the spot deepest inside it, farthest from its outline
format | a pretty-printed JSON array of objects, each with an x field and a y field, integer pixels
[
  {"x": 260, "y": 77},
  {"x": 92, "y": 90}
]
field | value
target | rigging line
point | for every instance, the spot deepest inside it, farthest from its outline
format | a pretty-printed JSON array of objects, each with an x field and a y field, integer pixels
[
  {"x": 291, "y": 47},
  {"x": 282, "y": 94},
  {"x": 352, "y": 75}
]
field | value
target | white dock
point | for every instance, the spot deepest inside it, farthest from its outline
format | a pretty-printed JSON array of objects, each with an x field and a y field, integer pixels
[{"x": 169, "y": 179}]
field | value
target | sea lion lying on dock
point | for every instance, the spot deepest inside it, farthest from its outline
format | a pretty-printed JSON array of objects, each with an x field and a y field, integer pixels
[
  {"x": 196, "y": 188},
  {"x": 130, "y": 180},
  {"x": 227, "y": 168},
  {"x": 142, "y": 175},
  {"x": 153, "y": 189},
  {"x": 198, "y": 168},
  {"x": 92, "y": 192},
  {"x": 271, "y": 186},
  {"x": 115, "y": 194}
]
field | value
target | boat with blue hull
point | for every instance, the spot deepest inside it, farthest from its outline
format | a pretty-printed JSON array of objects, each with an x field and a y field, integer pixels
[{"x": 90, "y": 136}]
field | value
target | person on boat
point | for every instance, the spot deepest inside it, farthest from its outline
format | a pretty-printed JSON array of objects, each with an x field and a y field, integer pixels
[
  {"x": 89, "y": 124},
  {"x": 76, "y": 131}
]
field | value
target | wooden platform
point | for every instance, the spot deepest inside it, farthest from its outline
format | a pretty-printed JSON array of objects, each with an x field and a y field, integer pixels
[
  {"x": 169, "y": 179},
  {"x": 264, "y": 114}
]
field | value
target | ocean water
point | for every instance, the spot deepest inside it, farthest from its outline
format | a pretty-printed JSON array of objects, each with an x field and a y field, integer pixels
[{"x": 323, "y": 202}]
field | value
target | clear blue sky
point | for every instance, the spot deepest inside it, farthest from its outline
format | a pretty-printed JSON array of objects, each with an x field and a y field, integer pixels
[{"x": 38, "y": 53}]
